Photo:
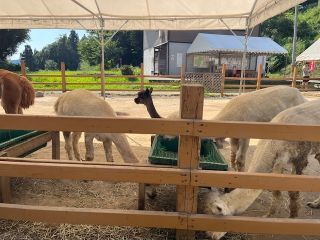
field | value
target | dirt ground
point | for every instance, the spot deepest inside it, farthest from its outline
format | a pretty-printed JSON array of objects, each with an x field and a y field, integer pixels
[{"x": 97, "y": 194}]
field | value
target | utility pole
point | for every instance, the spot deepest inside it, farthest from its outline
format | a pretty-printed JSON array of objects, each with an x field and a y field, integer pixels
[{"x": 294, "y": 43}]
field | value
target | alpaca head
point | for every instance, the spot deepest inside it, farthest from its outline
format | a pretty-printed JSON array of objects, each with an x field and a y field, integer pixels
[
  {"x": 216, "y": 205},
  {"x": 143, "y": 96}
]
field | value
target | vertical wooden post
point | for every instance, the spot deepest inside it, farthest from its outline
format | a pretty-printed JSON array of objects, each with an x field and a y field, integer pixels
[
  {"x": 259, "y": 76},
  {"x": 191, "y": 107},
  {"x": 63, "y": 77},
  {"x": 142, "y": 77},
  {"x": 294, "y": 76},
  {"x": 103, "y": 82},
  {"x": 5, "y": 189},
  {"x": 55, "y": 140},
  {"x": 141, "y": 196},
  {"x": 223, "y": 79},
  {"x": 182, "y": 74},
  {"x": 23, "y": 68}
]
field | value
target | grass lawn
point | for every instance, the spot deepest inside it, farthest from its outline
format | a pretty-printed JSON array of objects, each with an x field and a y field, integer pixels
[{"x": 91, "y": 82}]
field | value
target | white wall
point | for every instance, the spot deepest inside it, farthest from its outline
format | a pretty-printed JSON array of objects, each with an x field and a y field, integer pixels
[
  {"x": 177, "y": 56},
  {"x": 148, "y": 61}
]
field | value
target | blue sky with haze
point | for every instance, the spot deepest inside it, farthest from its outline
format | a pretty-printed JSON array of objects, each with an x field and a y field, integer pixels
[{"x": 40, "y": 38}]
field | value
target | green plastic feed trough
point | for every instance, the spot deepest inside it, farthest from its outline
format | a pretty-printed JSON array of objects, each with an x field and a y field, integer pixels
[
  {"x": 9, "y": 138},
  {"x": 164, "y": 151}
]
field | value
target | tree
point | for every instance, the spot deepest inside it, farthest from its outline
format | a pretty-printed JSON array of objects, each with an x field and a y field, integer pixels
[
  {"x": 29, "y": 58},
  {"x": 10, "y": 40},
  {"x": 90, "y": 50},
  {"x": 73, "y": 41}
]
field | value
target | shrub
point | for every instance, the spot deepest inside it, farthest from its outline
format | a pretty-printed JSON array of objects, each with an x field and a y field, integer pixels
[
  {"x": 50, "y": 65},
  {"x": 128, "y": 70}
]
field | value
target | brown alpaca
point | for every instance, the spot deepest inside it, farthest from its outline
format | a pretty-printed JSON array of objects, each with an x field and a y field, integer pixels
[
  {"x": 145, "y": 98},
  {"x": 16, "y": 92}
]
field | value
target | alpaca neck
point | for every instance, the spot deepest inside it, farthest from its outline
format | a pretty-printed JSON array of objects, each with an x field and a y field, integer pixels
[
  {"x": 123, "y": 146},
  {"x": 240, "y": 200},
  {"x": 151, "y": 109}
]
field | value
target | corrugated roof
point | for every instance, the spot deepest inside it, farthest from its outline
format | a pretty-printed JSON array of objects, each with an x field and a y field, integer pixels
[
  {"x": 312, "y": 53},
  {"x": 205, "y": 42}
]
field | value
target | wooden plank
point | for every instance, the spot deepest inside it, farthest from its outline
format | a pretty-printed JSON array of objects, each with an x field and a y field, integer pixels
[
  {"x": 280, "y": 226},
  {"x": 257, "y": 130},
  {"x": 55, "y": 139},
  {"x": 268, "y": 181},
  {"x": 135, "y": 218},
  {"x": 191, "y": 107},
  {"x": 104, "y": 163},
  {"x": 28, "y": 145},
  {"x": 95, "y": 124},
  {"x": 56, "y": 170}
]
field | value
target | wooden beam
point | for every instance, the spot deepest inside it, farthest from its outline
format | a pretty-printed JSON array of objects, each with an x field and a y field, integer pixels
[
  {"x": 281, "y": 226},
  {"x": 257, "y": 130},
  {"x": 28, "y": 145},
  {"x": 95, "y": 124},
  {"x": 5, "y": 189},
  {"x": 56, "y": 170},
  {"x": 135, "y": 218},
  {"x": 268, "y": 181},
  {"x": 191, "y": 107}
]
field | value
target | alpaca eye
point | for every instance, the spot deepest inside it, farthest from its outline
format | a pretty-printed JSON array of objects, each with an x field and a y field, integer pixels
[{"x": 219, "y": 209}]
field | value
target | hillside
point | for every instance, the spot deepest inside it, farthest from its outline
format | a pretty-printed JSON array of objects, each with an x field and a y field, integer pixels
[{"x": 280, "y": 28}]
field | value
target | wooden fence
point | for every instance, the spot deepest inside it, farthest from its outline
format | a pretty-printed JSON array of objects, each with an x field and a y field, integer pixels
[
  {"x": 186, "y": 175},
  {"x": 178, "y": 80}
]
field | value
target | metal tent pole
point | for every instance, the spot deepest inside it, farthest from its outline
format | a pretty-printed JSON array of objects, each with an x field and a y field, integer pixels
[{"x": 243, "y": 63}]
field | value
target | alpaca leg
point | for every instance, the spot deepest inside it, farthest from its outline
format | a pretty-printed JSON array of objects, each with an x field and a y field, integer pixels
[
  {"x": 107, "y": 145},
  {"x": 234, "y": 142},
  {"x": 294, "y": 204},
  {"x": 88, "y": 138},
  {"x": 123, "y": 146},
  {"x": 20, "y": 110},
  {"x": 75, "y": 143},
  {"x": 276, "y": 200},
  {"x": 68, "y": 146},
  {"x": 241, "y": 154}
]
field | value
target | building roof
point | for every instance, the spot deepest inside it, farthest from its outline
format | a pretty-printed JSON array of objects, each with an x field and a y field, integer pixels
[
  {"x": 312, "y": 53},
  {"x": 216, "y": 43},
  {"x": 139, "y": 14}
]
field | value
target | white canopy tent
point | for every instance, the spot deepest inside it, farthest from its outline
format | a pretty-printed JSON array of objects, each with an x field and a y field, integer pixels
[
  {"x": 312, "y": 53},
  {"x": 140, "y": 14}
]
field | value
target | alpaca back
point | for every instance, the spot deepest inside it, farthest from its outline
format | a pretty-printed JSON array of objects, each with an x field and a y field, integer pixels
[
  {"x": 270, "y": 152},
  {"x": 261, "y": 105},
  {"x": 13, "y": 80},
  {"x": 82, "y": 103},
  {"x": 28, "y": 94}
]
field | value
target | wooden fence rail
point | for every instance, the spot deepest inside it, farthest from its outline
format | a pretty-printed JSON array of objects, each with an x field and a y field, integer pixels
[{"x": 142, "y": 83}]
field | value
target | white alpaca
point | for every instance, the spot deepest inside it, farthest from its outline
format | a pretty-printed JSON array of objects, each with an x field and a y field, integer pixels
[
  {"x": 84, "y": 103},
  {"x": 272, "y": 156},
  {"x": 257, "y": 106}
]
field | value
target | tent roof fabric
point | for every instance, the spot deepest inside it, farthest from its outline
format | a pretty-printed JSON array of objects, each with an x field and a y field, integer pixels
[
  {"x": 139, "y": 14},
  {"x": 234, "y": 44},
  {"x": 312, "y": 53}
]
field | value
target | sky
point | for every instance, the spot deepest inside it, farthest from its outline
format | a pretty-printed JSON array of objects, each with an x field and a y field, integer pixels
[{"x": 40, "y": 38}]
